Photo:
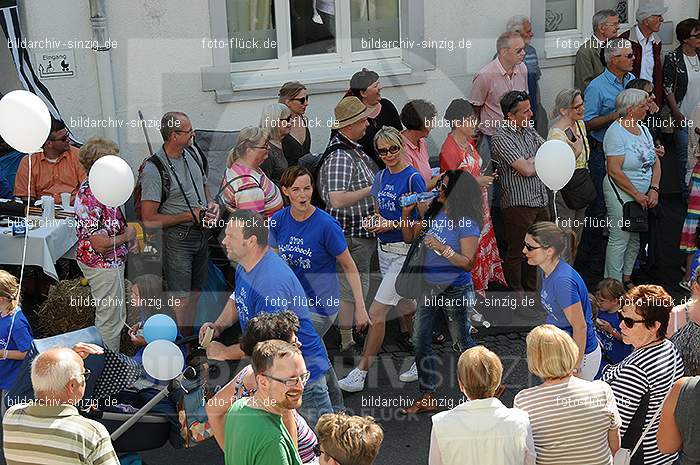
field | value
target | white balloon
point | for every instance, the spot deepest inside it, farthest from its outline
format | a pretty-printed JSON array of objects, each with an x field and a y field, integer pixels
[
  {"x": 163, "y": 360},
  {"x": 555, "y": 164},
  {"x": 111, "y": 180},
  {"x": 25, "y": 121}
]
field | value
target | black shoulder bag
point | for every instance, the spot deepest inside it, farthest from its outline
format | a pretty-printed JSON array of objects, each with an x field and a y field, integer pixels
[
  {"x": 634, "y": 217},
  {"x": 580, "y": 191}
]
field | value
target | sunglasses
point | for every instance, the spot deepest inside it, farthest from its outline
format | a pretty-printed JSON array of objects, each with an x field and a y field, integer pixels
[
  {"x": 519, "y": 50},
  {"x": 629, "y": 322},
  {"x": 530, "y": 248},
  {"x": 261, "y": 147},
  {"x": 301, "y": 100},
  {"x": 390, "y": 150},
  {"x": 629, "y": 56}
]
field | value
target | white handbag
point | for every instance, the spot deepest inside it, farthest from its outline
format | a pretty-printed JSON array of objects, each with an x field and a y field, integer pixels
[{"x": 624, "y": 456}]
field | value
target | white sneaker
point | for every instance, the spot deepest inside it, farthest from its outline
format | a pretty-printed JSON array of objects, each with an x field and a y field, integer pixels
[
  {"x": 354, "y": 381},
  {"x": 411, "y": 375}
]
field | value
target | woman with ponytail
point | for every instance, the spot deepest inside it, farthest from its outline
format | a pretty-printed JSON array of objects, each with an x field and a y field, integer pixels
[
  {"x": 563, "y": 293},
  {"x": 15, "y": 333}
]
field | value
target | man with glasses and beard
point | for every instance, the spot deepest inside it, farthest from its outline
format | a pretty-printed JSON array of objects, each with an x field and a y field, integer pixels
[
  {"x": 524, "y": 198},
  {"x": 255, "y": 433},
  {"x": 55, "y": 169},
  {"x": 180, "y": 214}
]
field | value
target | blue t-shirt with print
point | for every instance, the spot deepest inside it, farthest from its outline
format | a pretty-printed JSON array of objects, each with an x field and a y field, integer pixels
[
  {"x": 20, "y": 339},
  {"x": 310, "y": 248},
  {"x": 272, "y": 287},
  {"x": 561, "y": 289},
  {"x": 387, "y": 189},
  {"x": 638, "y": 151},
  {"x": 437, "y": 269},
  {"x": 614, "y": 351}
]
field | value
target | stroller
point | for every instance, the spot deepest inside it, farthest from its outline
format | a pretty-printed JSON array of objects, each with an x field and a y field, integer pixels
[{"x": 136, "y": 420}]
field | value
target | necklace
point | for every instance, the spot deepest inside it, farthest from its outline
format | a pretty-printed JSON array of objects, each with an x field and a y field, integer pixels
[{"x": 694, "y": 64}]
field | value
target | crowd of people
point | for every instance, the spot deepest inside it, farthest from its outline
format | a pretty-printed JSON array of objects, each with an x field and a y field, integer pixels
[{"x": 620, "y": 366}]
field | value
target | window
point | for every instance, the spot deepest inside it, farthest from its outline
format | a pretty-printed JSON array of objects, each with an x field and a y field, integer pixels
[
  {"x": 567, "y": 23},
  {"x": 259, "y": 44}
]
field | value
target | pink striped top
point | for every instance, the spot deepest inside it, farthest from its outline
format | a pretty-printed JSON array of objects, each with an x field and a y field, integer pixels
[{"x": 250, "y": 189}]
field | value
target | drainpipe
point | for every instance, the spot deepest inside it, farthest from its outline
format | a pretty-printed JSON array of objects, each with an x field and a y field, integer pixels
[{"x": 101, "y": 47}]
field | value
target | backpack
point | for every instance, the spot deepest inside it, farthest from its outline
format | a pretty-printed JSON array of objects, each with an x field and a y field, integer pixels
[
  {"x": 314, "y": 165},
  {"x": 165, "y": 180}
]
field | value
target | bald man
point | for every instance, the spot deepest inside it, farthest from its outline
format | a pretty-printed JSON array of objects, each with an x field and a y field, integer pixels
[{"x": 51, "y": 427}]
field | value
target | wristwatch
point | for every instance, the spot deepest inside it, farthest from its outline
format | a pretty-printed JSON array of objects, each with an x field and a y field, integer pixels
[{"x": 654, "y": 188}]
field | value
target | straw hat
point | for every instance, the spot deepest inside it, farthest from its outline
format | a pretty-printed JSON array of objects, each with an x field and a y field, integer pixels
[{"x": 350, "y": 110}]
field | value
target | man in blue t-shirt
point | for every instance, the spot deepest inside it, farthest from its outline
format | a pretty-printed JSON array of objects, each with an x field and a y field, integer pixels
[{"x": 264, "y": 283}]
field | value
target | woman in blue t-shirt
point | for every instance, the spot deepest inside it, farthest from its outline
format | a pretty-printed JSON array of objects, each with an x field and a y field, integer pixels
[
  {"x": 563, "y": 294},
  {"x": 452, "y": 224},
  {"x": 390, "y": 184}
]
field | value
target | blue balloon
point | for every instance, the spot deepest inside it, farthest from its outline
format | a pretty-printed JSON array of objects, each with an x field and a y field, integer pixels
[{"x": 160, "y": 327}]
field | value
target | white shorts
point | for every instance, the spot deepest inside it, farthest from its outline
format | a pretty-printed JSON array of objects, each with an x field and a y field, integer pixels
[
  {"x": 590, "y": 364},
  {"x": 391, "y": 258}
]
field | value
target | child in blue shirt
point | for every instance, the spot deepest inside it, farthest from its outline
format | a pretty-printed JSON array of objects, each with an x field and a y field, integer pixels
[
  {"x": 609, "y": 295},
  {"x": 15, "y": 332}
]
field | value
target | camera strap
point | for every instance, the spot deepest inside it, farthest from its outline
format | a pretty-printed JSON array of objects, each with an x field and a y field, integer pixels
[{"x": 177, "y": 179}]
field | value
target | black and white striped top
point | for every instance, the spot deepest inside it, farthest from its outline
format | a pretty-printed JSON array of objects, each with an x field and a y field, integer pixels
[
  {"x": 508, "y": 145},
  {"x": 649, "y": 369}
]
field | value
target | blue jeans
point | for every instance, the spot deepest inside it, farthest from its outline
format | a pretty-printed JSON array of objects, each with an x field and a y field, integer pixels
[
  {"x": 315, "y": 401},
  {"x": 680, "y": 141},
  {"x": 456, "y": 302},
  {"x": 323, "y": 323}
]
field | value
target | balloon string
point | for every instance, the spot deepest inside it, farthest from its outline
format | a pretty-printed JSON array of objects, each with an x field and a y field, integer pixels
[
  {"x": 122, "y": 291},
  {"x": 556, "y": 215}
]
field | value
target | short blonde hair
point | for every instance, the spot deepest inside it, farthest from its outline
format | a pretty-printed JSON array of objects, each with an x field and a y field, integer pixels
[
  {"x": 388, "y": 134},
  {"x": 350, "y": 440},
  {"x": 551, "y": 352},
  {"x": 9, "y": 288},
  {"x": 480, "y": 371},
  {"x": 272, "y": 116},
  {"x": 247, "y": 137},
  {"x": 94, "y": 149}
]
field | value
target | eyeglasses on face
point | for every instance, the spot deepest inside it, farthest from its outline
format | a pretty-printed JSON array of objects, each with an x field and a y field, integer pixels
[
  {"x": 189, "y": 131},
  {"x": 629, "y": 322},
  {"x": 261, "y": 147},
  {"x": 530, "y": 247},
  {"x": 577, "y": 107},
  {"x": 519, "y": 50},
  {"x": 383, "y": 152},
  {"x": 629, "y": 56},
  {"x": 86, "y": 374},
  {"x": 291, "y": 382},
  {"x": 301, "y": 100},
  {"x": 61, "y": 138},
  {"x": 318, "y": 451}
]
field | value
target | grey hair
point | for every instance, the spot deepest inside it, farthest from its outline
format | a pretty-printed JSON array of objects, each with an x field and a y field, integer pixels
[
  {"x": 504, "y": 39},
  {"x": 515, "y": 24},
  {"x": 171, "y": 122},
  {"x": 629, "y": 98},
  {"x": 564, "y": 100},
  {"x": 614, "y": 46},
  {"x": 51, "y": 377},
  {"x": 247, "y": 137},
  {"x": 601, "y": 17},
  {"x": 271, "y": 117}
]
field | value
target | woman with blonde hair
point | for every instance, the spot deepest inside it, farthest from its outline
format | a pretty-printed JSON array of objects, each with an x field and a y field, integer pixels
[
  {"x": 276, "y": 118},
  {"x": 297, "y": 143},
  {"x": 245, "y": 186},
  {"x": 481, "y": 431},
  {"x": 104, "y": 241},
  {"x": 573, "y": 420}
]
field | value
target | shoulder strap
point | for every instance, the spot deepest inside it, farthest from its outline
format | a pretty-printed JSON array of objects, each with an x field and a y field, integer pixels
[
  {"x": 164, "y": 177},
  {"x": 410, "y": 182},
  {"x": 586, "y": 147},
  {"x": 617, "y": 194},
  {"x": 329, "y": 150},
  {"x": 196, "y": 154},
  {"x": 658, "y": 411}
]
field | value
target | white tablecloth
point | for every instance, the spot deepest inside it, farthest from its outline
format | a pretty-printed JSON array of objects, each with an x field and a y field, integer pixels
[{"x": 45, "y": 245}]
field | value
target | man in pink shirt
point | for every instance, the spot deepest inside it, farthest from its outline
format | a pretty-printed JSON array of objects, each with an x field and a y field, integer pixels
[
  {"x": 505, "y": 73},
  {"x": 418, "y": 117}
]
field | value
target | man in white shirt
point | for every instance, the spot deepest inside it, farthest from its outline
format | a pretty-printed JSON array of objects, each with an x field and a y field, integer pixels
[{"x": 646, "y": 45}]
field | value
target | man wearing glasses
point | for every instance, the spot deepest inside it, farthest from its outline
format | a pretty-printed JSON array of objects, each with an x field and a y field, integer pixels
[
  {"x": 55, "y": 169},
  {"x": 524, "y": 198},
  {"x": 600, "y": 113},
  {"x": 505, "y": 73},
  {"x": 589, "y": 62},
  {"x": 178, "y": 211},
  {"x": 51, "y": 426},
  {"x": 255, "y": 433}
]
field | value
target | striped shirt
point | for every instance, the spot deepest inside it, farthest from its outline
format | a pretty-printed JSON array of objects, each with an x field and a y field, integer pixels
[
  {"x": 646, "y": 370},
  {"x": 250, "y": 189},
  {"x": 570, "y": 421},
  {"x": 509, "y": 144},
  {"x": 348, "y": 170},
  {"x": 54, "y": 434}
]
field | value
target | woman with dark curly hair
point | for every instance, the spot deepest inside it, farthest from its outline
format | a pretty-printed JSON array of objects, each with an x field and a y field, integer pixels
[
  {"x": 452, "y": 225},
  {"x": 642, "y": 380},
  {"x": 264, "y": 327}
]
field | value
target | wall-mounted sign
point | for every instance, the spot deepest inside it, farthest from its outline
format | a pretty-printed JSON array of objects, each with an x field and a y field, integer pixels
[{"x": 55, "y": 63}]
